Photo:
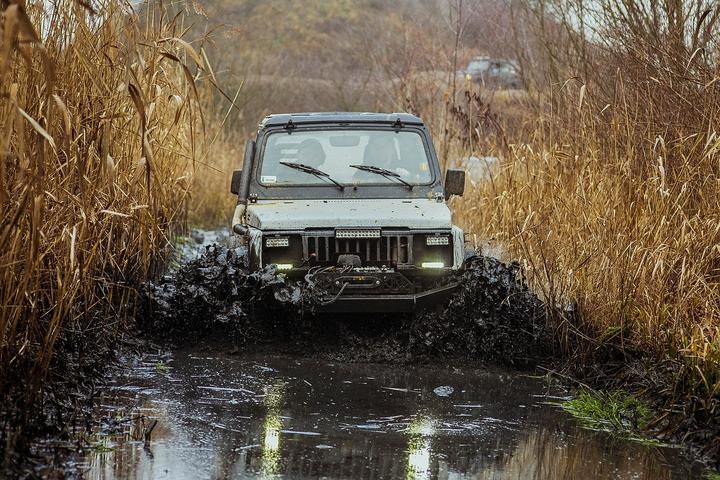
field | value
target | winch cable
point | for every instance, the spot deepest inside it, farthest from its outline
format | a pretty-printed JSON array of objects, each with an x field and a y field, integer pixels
[
  {"x": 342, "y": 289},
  {"x": 309, "y": 279}
]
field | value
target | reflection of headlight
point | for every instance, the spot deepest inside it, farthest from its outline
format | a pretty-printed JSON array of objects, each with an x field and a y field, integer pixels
[
  {"x": 271, "y": 445},
  {"x": 419, "y": 459},
  {"x": 422, "y": 426},
  {"x": 273, "y": 401},
  {"x": 272, "y": 438},
  {"x": 421, "y": 431}
]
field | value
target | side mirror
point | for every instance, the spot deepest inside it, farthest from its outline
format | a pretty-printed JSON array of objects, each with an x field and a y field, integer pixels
[
  {"x": 454, "y": 182},
  {"x": 236, "y": 182}
]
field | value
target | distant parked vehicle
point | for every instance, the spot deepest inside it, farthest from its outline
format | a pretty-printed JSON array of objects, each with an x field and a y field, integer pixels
[{"x": 494, "y": 72}]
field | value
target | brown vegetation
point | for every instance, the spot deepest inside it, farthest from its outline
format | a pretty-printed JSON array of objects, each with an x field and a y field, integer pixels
[
  {"x": 99, "y": 130},
  {"x": 608, "y": 188},
  {"x": 612, "y": 200}
]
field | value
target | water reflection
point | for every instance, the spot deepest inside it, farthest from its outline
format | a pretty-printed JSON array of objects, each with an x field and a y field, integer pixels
[
  {"x": 419, "y": 436},
  {"x": 229, "y": 417},
  {"x": 273, "y": 401}
]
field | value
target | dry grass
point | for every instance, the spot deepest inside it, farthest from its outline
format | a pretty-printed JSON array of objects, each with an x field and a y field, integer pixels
[
  {"x": 638, "y": 251},
  {"x": 211, "y": 204},
  {"x": 98, "y": 125},
  {"x": 610, "y": 195}
]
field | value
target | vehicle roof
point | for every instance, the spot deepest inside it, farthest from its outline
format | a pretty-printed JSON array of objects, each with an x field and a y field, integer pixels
[{"x": 338, "y": 117}]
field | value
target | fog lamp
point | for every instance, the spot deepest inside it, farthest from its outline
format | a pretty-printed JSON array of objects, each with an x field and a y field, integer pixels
[
  {"x": 272, "y": 242},
  {"x": 432, "y": 265},
  {"x": 437, "y": 240}
]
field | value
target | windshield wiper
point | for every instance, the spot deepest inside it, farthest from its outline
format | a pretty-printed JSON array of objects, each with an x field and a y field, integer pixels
[
  {"x": 313, "y": 171},
  {"x": 381, "y": 171}
]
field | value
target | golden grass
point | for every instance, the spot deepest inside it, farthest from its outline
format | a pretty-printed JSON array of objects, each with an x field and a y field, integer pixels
[
  {"x": 211, "y": 203},
  {"x": 622, "y": 224},
  {"x": 99, "y": 121}
]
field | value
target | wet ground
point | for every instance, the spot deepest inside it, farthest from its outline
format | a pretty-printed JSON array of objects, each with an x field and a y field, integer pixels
[
  {"x": 212, "y": 409},
  {"x": 223, "y": 415}
]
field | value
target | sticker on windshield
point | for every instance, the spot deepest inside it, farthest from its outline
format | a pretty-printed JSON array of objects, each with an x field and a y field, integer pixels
[{"x": 268, "y": 179}]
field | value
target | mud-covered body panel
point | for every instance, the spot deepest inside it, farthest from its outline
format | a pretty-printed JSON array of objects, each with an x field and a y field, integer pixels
[{"x": 393, "y": 213}]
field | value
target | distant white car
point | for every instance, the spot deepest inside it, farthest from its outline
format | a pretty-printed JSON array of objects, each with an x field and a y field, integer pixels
[{"x": 495, "y": 72}]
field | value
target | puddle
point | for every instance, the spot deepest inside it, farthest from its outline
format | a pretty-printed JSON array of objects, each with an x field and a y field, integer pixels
[
  {"x": 226, "y": 416},
  {"x": 208, "y": 412}
]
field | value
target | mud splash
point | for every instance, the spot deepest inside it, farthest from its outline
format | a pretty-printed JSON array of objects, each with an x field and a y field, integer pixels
[
  {"x": 493, "y": 316},
  {"x": 215, "y": 291}
]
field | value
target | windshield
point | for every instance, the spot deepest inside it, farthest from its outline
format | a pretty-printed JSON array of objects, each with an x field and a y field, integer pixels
[{"x": 339, "y": 153}]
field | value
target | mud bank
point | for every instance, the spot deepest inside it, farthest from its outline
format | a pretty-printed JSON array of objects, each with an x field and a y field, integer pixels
[
  {"x": 63, "y": 408},
  {"x": 493, "y": 316}
]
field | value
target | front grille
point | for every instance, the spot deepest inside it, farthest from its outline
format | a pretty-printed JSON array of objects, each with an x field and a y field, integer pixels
[{"x": 386, "y": 250}]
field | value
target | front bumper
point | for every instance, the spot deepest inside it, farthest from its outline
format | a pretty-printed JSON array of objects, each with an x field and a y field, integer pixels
[
  {"x": 393, "y": 303},
  {"x": 367, "y": 291}
]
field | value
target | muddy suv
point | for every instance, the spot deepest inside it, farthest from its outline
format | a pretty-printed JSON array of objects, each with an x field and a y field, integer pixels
[{"x": 354, "y": 205}]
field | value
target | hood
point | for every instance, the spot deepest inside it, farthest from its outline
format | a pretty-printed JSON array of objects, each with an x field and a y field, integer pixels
[{"x": 300, "y": 214}]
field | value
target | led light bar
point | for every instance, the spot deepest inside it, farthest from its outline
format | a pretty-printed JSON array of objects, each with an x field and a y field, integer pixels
[
  {"x": 437, "y": 240},
  {"x": 284, "y": 266},
  {"x": 358, "y": 233},
  {"x": 432, "y": 265},
  {"x": 272, "y": 242}
]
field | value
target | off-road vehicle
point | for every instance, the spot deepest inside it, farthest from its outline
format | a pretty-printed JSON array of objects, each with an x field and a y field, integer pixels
[
  {"x": 354, "y": 205},
  {"x": 494, "y": 72}
]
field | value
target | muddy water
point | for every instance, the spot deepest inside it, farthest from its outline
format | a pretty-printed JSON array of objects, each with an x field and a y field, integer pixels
[{"x": 221, "y": 415}]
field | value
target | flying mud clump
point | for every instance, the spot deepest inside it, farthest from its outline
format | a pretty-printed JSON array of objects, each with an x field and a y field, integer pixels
[
  {"x": 493, "y": 315},
  {"x": 216, "y": 291}
]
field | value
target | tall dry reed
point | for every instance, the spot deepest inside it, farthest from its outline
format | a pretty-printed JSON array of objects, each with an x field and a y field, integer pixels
[
  {"x": 609, "y": 192},
  {"x": 99, "y": 129}
]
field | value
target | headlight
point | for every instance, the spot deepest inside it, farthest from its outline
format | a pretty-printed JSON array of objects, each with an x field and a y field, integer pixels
[
  {"x": 432, "y": 265},
  {"x": 437, "y": 240},
  {"x": 284, "y": 266},
  {"x": 271, "y": 242}
]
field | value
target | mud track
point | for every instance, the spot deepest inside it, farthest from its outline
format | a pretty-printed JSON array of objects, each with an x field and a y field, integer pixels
[{"x": 493, "y": 316}]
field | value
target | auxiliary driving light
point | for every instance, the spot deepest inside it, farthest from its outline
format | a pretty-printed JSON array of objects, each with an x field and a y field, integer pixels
[
  {"x": 283, "y": 266},
  {"x": 437, "y": 240},
  {"x": 432, "y": 265},
  {"x": 271, "y": 242},
  {"x": 357, "y": 233}
]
